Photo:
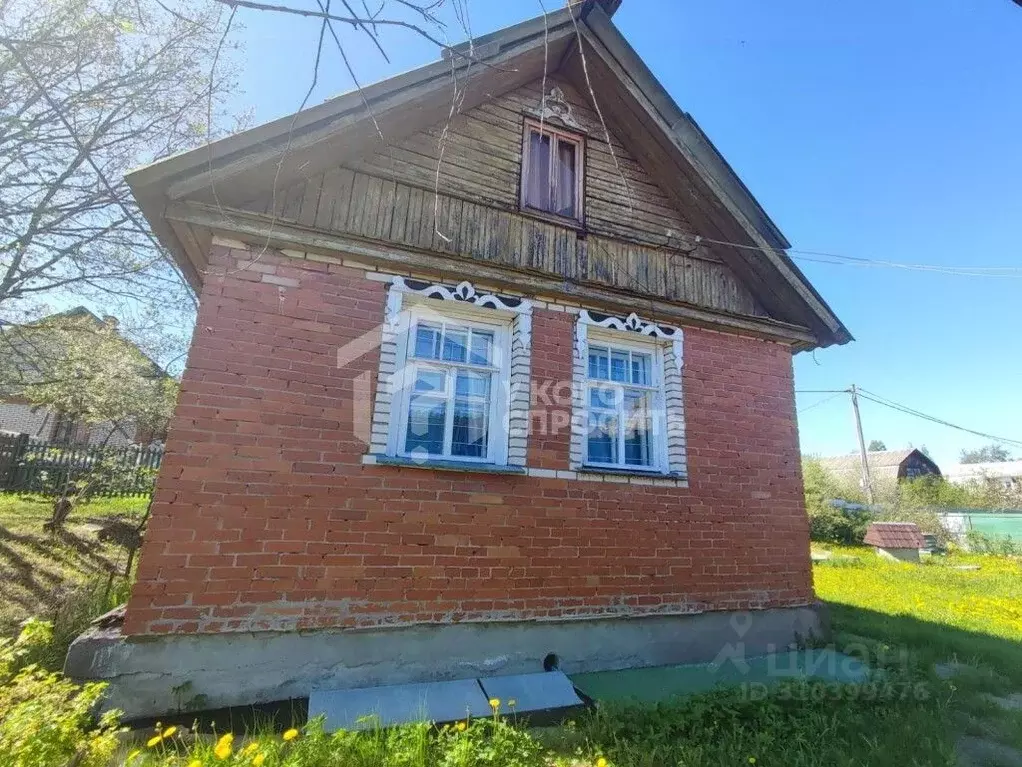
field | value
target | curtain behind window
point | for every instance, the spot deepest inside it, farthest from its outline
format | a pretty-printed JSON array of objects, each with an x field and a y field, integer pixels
[{"x": 537, "y": 177}]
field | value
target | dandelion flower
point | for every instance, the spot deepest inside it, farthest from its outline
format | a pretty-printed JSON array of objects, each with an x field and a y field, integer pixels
[
  {"x": 153, "y": 741},
  {"x": 134, "y": 753},
  {"x": 169, "y": 732},
  {"x": 494, "y": 703},
  {"x": 250, "y": 748},
  {"x": 752, "y": 760},
  {"x": 601, "y": 762},
  {"x": 223, "y": 747},
  {"x": 290, "y": 734},
  {"x": 258, "y": 761},
  {"x": 195, "y": 763},
  {"x": 461, "y": 726}
]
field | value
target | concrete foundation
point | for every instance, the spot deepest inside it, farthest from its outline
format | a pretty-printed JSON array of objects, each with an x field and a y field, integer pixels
[{"x": 154, "y": 676}]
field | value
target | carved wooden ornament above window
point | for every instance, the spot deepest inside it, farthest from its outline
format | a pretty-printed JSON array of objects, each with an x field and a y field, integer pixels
[{"x": 555, "y": 107}]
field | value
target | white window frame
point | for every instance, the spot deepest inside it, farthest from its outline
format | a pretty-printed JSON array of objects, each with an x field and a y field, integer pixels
[
  {"x": 617, "y": 341},
  {"x": 666, "y": 344},
  {"x": 556, "y": 136},
  {"x": 511, "y": 319},
  {"x": 499, "y": 370}
]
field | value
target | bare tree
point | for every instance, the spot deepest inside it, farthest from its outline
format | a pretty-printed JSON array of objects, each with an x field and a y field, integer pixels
[{"x": 88, "y": 90}]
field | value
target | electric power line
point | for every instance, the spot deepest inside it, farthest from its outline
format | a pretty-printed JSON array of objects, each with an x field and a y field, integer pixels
[
  {"x": 823, "y": 401},
  {"x": 836, "y": 259},
  {"x": 876, "y": 398}
]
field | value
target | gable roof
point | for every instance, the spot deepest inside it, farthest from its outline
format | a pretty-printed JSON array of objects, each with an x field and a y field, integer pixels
[
  {"x": 894, "y": 535},
  {"x": 881, "y": 462},
  {"x": 667, "y": 141}
]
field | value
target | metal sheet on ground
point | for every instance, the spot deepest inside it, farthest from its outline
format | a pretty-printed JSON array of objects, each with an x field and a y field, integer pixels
[
  {"x": 532, "y": 692},
  {"x": 398, "y": 704}
]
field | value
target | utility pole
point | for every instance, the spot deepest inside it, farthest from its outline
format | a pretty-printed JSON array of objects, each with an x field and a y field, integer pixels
[{"x": 866, "y": 479}]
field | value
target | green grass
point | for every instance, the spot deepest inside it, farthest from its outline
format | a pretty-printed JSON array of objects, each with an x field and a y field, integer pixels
[{"x": 46, "y": 575}]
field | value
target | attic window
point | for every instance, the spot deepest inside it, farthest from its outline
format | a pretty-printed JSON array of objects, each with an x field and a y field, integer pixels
[{"x": 552, "y": 169}]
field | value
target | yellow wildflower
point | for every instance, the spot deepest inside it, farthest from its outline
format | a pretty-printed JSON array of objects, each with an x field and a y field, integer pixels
[
  {"x": 601, "y": 762},
  {"x": 249, "y": 748},
  {"x": 153, "y": 741},
  {"x": 258, "y": 761},
  {"x": 461, "y": 726},
  {"x": 223, "y": 747},
  {"x": 169, "y": 732},
  {"x": 195, "y": 763},
  {"x": 134, "y": 753},
  {"x": 290, "y": 734},
  {"x": 494, "y": 703}
]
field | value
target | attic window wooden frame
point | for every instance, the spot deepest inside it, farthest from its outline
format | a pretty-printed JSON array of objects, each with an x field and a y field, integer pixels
[{"x": 557, "y": 136}]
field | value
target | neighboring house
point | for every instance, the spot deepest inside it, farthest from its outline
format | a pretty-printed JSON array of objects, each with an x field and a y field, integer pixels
[
  {"x": 1006, "y": 473},
  {"x": 26, "y": 349},
  {"x": 437, "y": 424},
  {"x": 885, "y": 466}
]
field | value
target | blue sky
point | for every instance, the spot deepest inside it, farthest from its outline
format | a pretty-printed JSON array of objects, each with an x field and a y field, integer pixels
[{"x": 873, "y": 129}]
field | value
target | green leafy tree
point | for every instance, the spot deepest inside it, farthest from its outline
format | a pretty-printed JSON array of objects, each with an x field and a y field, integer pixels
[
  {"x": 877, "y": 446},
  {"x": 82, "y": 367},
  {"x": 992, "y": 453}
]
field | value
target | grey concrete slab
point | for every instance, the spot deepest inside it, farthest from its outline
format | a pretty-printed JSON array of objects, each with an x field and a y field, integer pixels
[
  {"x": 398, "y": 704},
  {"x": 531, "y": 692}
]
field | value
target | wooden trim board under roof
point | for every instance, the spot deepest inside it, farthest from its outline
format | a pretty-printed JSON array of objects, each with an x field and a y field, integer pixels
[{"x": 665, "y": 139}]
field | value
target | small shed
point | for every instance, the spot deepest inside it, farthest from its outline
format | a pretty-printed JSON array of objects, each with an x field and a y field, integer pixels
[{"x": 895, "y": 540}]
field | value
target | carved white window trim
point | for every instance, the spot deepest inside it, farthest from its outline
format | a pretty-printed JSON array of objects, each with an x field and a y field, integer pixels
[
  {"x": 669, "y": 344},
  {"x": 407, "y": 297}
]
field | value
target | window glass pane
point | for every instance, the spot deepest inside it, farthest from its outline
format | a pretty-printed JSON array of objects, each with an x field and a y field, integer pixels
[
  {"x": 473, "y": 385},
  {"x": 427, "y": 341},
  {"x": 537, "y": 174},
  {"x": 638, "y": 436},
  {"x": 426, "y": 418},
  {"x": 470, "y": 429},
  {"x": 598, "y": 368},
  {"x": 642, "y": 369},
  {"x": 482, "y": 347},
  {"x": 619, "y": 366},
  {"x": 564, "y": 202},
  {"x": 455, "y": 344},
  {"x": 602, "y": 437},
  {"x": 430, "y": 381},
  {"x": 604, "y": 398}
]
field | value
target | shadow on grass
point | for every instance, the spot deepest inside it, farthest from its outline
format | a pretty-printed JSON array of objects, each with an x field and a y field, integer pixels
[{"x": 928, "y": 642}]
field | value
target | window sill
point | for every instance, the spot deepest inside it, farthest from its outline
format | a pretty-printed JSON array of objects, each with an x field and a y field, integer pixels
[
  {"x": 375, "y": 459},
  {"x": 552, "y": 218},
  {"x": 622, "y": 472}
]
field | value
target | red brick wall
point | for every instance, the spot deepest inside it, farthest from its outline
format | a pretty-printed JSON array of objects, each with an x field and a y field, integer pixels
[{"x": 265, "y": 517}]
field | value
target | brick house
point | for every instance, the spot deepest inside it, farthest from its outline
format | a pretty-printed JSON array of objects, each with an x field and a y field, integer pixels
[{"x": 531, "y": 406}]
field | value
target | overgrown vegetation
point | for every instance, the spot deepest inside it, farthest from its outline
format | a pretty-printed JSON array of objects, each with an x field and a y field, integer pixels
[
  {"x": 917, "y": 500},
  {"x": 48, "y": 720}
]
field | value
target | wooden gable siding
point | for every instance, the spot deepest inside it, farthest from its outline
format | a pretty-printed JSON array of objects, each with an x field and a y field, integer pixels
[
  {"x": 482, "y": 161},
  {"x": 389, "y": 195}
]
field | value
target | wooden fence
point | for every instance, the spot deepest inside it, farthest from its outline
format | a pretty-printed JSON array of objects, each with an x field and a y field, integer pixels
[{"x": 30, "y": 466}]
